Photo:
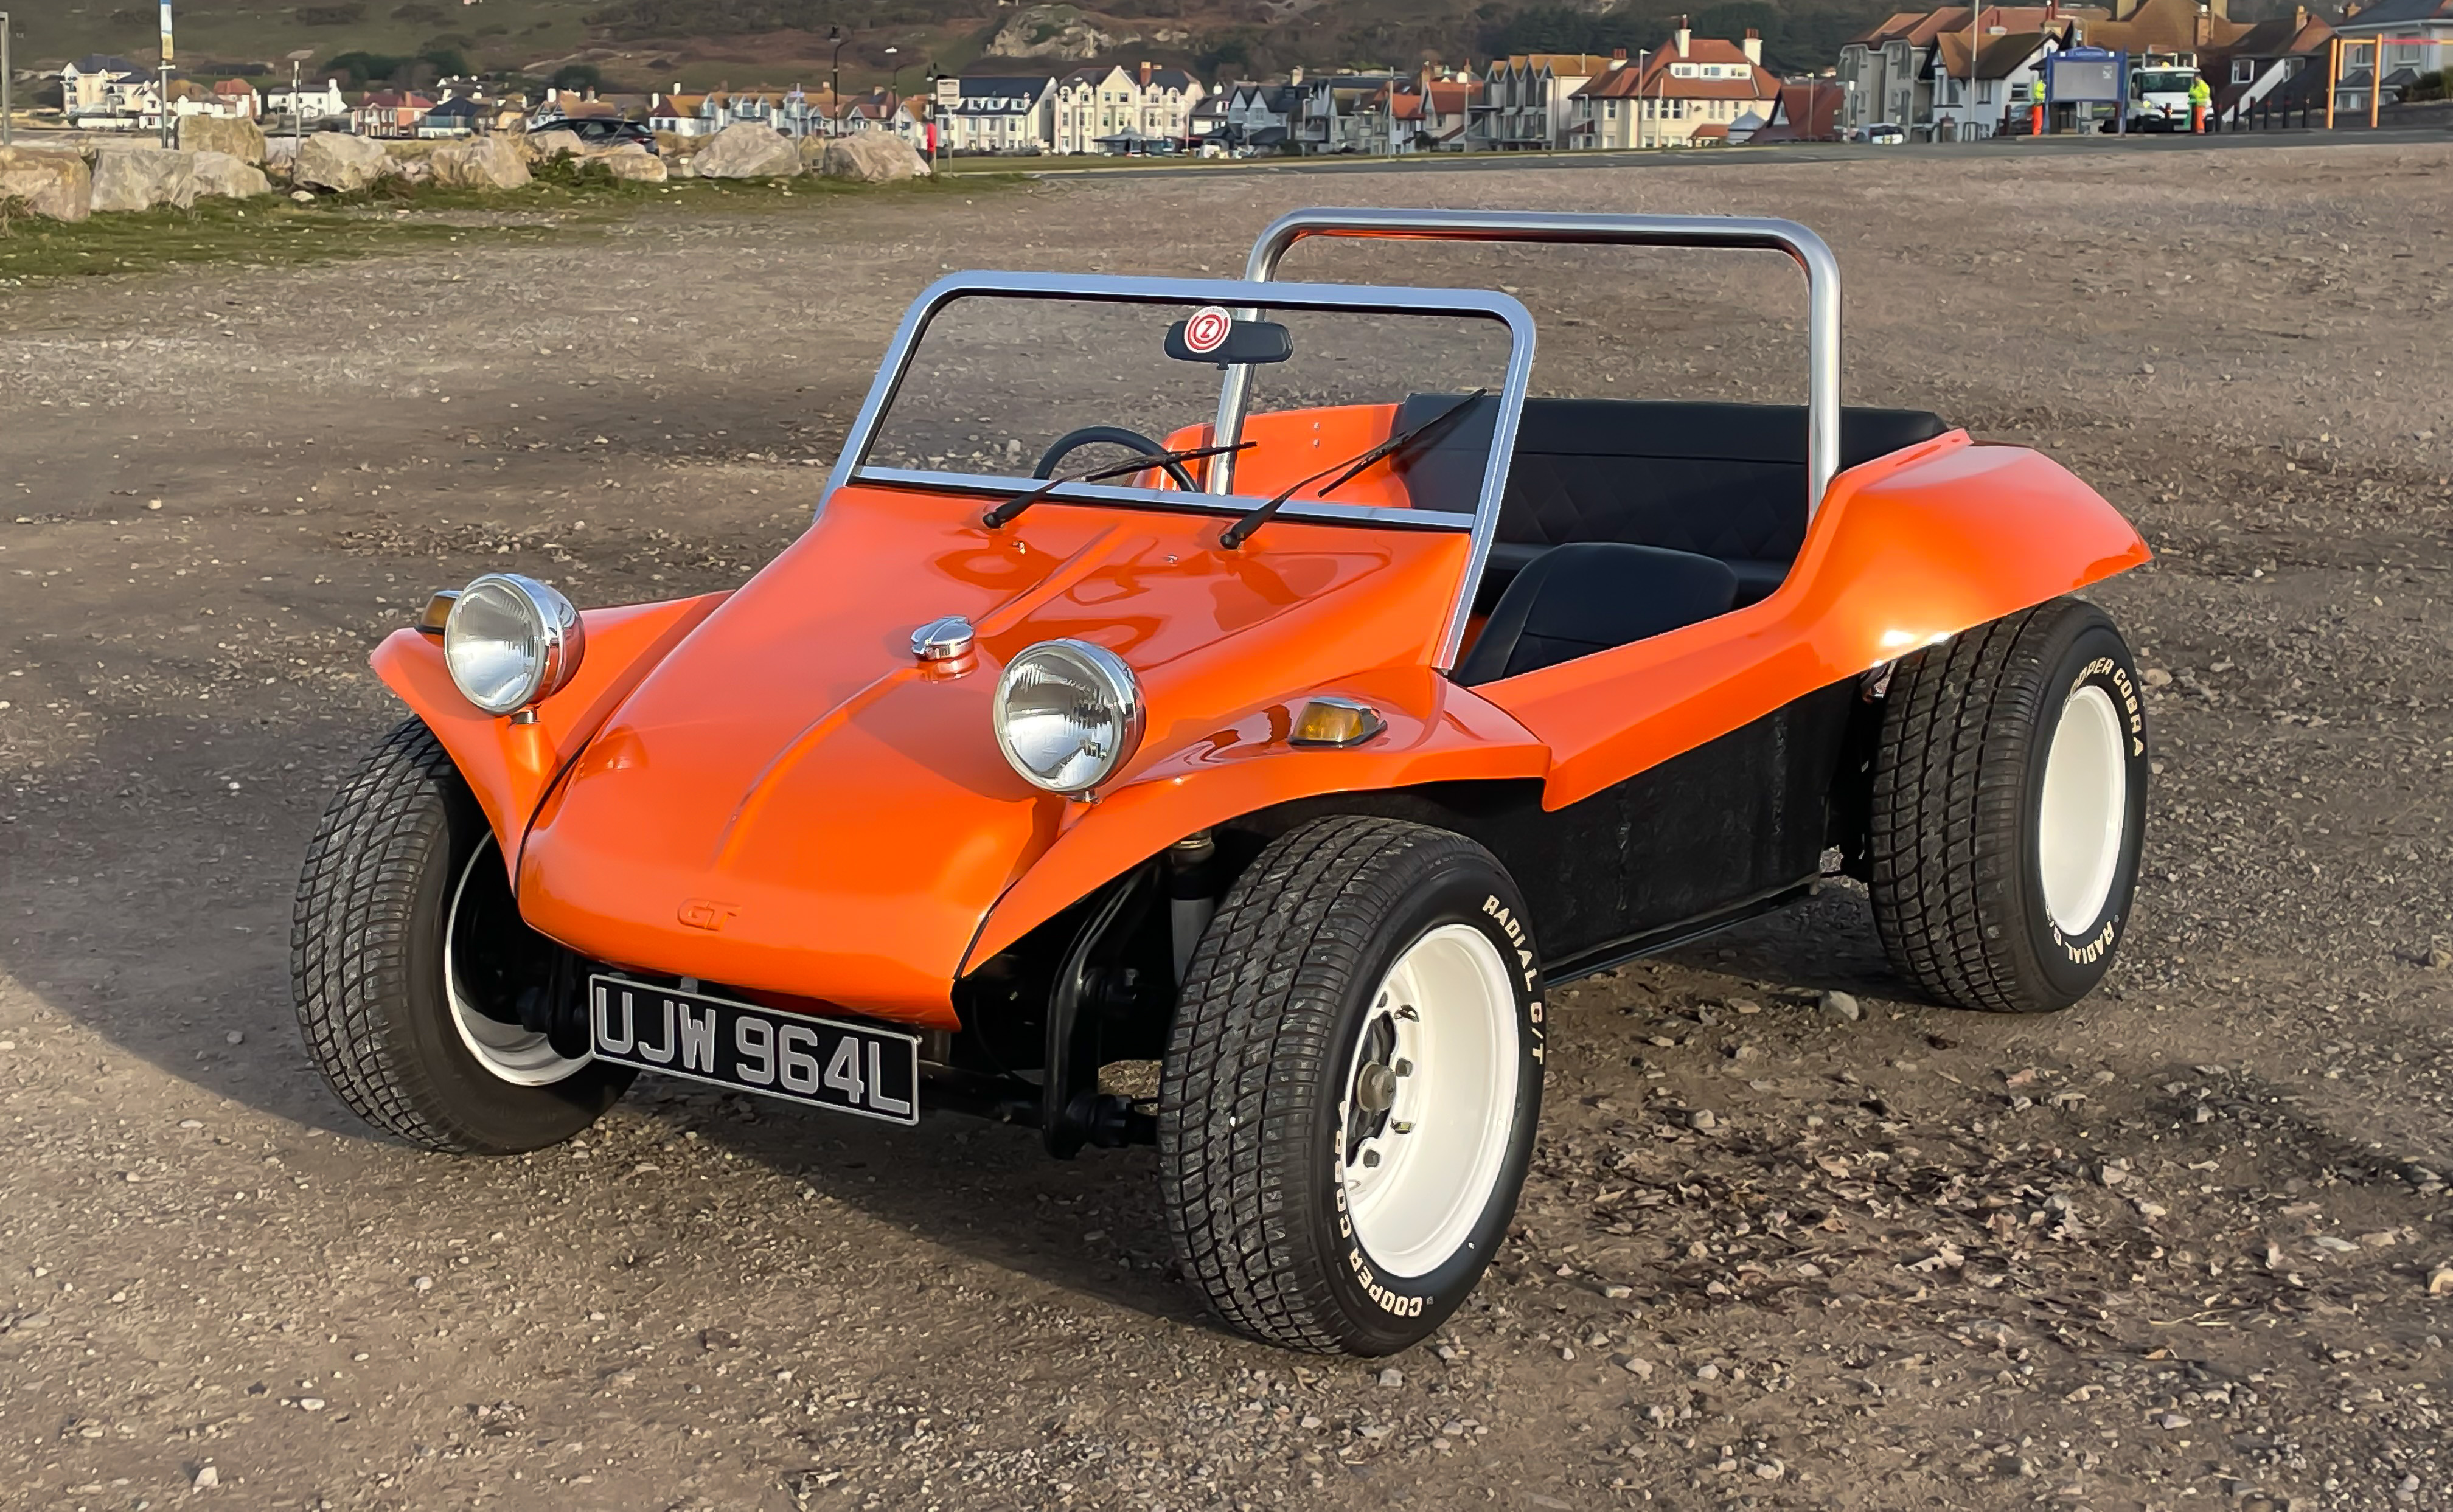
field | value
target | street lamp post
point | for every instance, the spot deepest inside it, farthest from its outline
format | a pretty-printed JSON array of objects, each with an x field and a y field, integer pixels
[
  {"x": 834, "y": 78},
  {"x": 166, "y": 72},
  {"x": 7, "y": 132},
  {"x": 296, "y": 115},
  {"x": 897, "y": 86}
]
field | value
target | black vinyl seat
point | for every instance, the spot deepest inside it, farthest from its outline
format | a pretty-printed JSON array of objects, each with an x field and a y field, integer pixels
[
  {"x": 1575, "y": 600},
  {"x": 1726, "y": 481}
]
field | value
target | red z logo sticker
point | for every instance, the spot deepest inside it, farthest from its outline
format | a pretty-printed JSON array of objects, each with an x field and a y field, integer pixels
[{"x": 1207, "y": 330}]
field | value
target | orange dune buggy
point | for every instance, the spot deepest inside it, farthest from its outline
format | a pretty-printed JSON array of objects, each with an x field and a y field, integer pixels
[{"x": 1315, "y": 701}]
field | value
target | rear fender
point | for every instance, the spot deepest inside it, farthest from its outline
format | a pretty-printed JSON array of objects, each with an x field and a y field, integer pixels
[
  {"x": 1437, "y": 732},
  {"x": 511, "y": 768},
  {"x": 1905, "y": 551}
]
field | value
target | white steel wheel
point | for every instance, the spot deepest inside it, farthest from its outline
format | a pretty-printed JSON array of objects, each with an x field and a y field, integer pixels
[
  {"x": 2007, "y": 809},
  {"x": 1430, "y": 1101},
  {"x": 510, "y": 1052},
  {"x": 1347, "y": 1106},
  {"x": 2083, "y": 821}
]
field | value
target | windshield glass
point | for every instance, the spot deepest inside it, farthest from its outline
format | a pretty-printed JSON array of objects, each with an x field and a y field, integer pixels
[
  {"x": 1003, "y": 389},
  {"x": 2166, "y": 81}
]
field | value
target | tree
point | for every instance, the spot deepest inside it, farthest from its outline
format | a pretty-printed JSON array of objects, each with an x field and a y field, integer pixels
[{"x": 578, "y": 76}]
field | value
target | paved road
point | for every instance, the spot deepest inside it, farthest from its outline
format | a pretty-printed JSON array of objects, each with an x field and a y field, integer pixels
[{"x": 1799, "y": 153}]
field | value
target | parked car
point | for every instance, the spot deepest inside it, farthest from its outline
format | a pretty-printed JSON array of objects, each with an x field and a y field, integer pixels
[
  {"x": 1317, "y": 706},
  {"x": 1886, "y": 133},
  {"x": 599, "y": 132}
]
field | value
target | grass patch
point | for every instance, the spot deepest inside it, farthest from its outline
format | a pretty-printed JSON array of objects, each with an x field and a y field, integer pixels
[{"x": 396, "y": 218}]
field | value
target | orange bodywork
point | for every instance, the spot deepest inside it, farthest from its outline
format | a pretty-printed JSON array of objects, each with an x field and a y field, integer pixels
[
  {"x": 769, "y": 790},
  {"x": 1906, "y": 550}
]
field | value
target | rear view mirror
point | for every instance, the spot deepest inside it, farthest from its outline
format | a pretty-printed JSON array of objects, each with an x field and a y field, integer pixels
[{"x": 1212, "y": 336}]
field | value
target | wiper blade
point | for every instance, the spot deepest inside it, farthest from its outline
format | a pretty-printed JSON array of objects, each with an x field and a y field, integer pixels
[
  {"x": 1136, "y": 463},
  {"x": 1241, "y": 531}
]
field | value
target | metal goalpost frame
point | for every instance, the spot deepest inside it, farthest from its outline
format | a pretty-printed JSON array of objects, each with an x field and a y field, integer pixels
[{"x": 1811, "y": 254}]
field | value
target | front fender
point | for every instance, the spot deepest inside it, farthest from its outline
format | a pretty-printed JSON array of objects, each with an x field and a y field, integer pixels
[
  {"x": 1437, "y": 732},
  {"x": 510, "y": 766}
]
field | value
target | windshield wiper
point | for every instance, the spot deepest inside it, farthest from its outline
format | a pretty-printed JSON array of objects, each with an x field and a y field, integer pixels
[
  {"x": 1137, "y": 462},
  {"x": 1241, "y": 531}
]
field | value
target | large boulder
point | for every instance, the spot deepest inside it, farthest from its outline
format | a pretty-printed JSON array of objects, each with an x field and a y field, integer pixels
[
  {"x": 638, "y": 164},
  {"x": 234, "y": 135},
  {"x": 56, "y": 186},
  {"x": 224, "y": 174},
  {"x": 544, "y": 147},
  {"x": 335, "y": 161},
  {"x": 138, "y": 178},
  {"x": 872, "y": 157},
  {"x": 748, "y": 150},
  {"x": 480, "y": 161}
]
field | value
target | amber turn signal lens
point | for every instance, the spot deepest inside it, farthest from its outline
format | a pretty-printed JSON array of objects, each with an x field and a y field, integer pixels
[
  {"x": 438, "y": 609},
  {"x": 1335, "y": 722}
]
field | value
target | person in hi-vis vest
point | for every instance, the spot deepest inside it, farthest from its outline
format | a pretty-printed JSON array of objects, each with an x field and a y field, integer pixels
[{"x": 2201, "y": 103}]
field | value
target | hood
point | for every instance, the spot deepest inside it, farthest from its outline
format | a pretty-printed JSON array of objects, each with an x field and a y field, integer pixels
[{"x": 791, "y": 803}]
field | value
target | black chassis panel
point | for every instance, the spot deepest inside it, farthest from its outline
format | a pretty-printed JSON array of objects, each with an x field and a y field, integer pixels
[{"x": 1711, "y": 837}]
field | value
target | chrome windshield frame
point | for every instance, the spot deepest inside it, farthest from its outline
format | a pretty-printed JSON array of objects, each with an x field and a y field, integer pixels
[
  {"x": 1249, "y": 295},
  {"x": 1809, "y": 251}
]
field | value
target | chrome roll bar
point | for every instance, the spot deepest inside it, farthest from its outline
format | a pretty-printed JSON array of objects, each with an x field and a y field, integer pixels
[{"x": 1809, "y": 250}]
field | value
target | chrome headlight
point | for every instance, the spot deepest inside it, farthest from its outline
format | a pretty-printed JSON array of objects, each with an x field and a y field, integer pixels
[
  {"x": 1068, "y": 714},
  {"x": 509, "y": 641}
]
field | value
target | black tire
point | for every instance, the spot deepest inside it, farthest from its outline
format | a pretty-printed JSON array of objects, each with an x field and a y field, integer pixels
[
  {"x": 367, "y": 962},
  {"x": 1253, "y": 1146},
  {"x": 1954, "y": 842}
]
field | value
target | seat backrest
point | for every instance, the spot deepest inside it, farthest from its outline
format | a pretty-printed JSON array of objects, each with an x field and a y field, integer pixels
[
  {"x": 1719, "y": 480},
  {"x": 1576, "y": 600}
]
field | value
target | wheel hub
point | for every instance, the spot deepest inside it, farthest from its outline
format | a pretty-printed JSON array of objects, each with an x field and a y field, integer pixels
[
  {"x": 1430, "y": 1108},
  {"x": 1375, "y": 1088}
]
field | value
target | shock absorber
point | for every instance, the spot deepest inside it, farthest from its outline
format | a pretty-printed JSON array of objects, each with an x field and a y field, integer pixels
[{"x": 1191, "y": 893}]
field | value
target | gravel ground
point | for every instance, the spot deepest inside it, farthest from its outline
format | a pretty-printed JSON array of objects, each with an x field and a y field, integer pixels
[{"x": 1792, "y": 1239}]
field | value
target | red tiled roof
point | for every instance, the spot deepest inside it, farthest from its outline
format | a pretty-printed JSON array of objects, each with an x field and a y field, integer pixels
[
  {"x": 1810, "y": 112},
  {"x": 1711, "y": 132},
  {"x": 1998, "y": 59},
  {"x": 1655, "y": 80}
]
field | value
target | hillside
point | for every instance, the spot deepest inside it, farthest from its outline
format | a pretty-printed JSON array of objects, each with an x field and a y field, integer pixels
[{"x": 658, "y": 43}]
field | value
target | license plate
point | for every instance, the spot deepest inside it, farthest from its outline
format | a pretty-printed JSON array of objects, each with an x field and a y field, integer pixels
[{"x": 823, "y": 1062}]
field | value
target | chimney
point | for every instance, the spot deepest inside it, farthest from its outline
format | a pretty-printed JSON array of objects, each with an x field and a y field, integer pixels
[
  {"x": 1146, "y": 74},
  {"x": 1686, "y": 34},
  {"x": 1754, "y": 47},
  {"x": 1618, "y": 57},
  {"x": 1295, "y": 78}
]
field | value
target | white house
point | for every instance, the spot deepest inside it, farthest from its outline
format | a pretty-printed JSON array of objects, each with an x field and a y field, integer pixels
[
  {"x": 312, "y": 102},
  {"x": 103, "y": 93},
  {"x": 1347, "y": 113},
  {"x": 997, "y": 113},
  {"x": 680, "y": 114},
  {"x": 1525, "y": 99},
  {"x": 1113, "y": 110},
  {"x": 1263, "y": 115},
  {"x": 2417, "y": 35}
]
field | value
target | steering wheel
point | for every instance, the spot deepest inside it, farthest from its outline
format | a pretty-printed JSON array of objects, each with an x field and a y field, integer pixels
[{"x": 1073, "y": 441}]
